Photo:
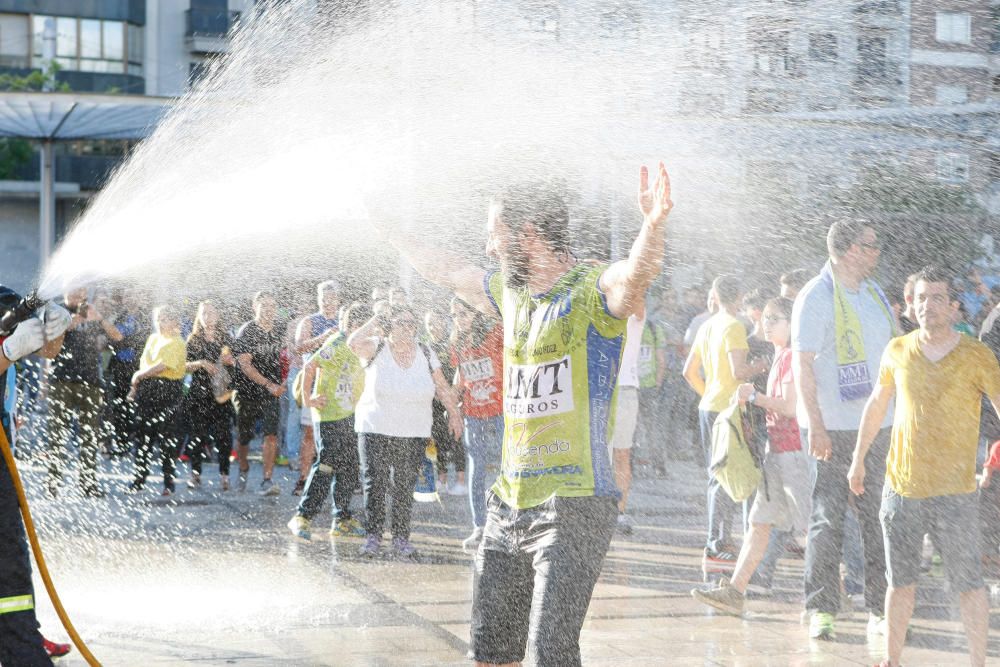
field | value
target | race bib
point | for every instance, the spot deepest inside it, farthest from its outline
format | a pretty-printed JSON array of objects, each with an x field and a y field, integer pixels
[{"x": 539, "y": 390}]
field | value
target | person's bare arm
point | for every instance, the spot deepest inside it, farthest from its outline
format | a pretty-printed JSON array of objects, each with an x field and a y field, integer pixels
[
  {"x": 692, "y": 372},
  {"x": 310, "y": 399},
  {"x": 304, "y": 343},
  {"x": 782, "y": 406},
  {"x": 661, "y": 366},
  {"x": 871, "y": 424},
  {"x": 364, "y": 341},
  {"x": 446, "y": 395},
  {"x": 625, "y": 282},
  {"x": 110, "y": 330},
  {"x": 820, "y": 445}
]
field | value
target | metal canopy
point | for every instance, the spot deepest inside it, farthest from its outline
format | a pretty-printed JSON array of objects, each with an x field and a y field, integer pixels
[
  {"x": 71, "y": 116},
  {"x": 50, "y": 117}
]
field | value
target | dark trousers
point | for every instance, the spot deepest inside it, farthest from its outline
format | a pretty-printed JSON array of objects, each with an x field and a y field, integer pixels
[
  {"x": 123, "y": 411},
  {"x": 449, "y": 449},
  {"x": 209, "y": 425},
  {"x": 824, "y": 547},
  {"x": 535, "y": 573},
  {"x": 20, "y": 641},
  {"x": 157, "y": 401},
  {"x": 723, "y": 511},
  {"x": 71, "y": 402},
  {"x": 336, "y": 464},
  {"x": 383, "y": 456}
]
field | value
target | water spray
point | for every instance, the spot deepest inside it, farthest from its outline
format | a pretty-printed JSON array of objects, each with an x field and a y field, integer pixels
[{"x": 13, "y": 310}]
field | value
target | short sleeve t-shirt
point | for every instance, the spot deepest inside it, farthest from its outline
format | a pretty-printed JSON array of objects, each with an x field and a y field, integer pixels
[
  {"x": 718, "y": 336},
  {"x": 264, "y": 348},
  {"x": 396, "y": 401},
  {"x": 167, "y": 350},
  {"x": 480, "y": 372},
  {"x": 935, "y": 429},
  {"x": 782, "y": 431},
  {"x": 79, "y": 360},
  {"x": 201, "y": 349},
  {"x": 813, "y": 331},
  {"x": 562, "y": 352},
  {"x": 339, "y": 377}
]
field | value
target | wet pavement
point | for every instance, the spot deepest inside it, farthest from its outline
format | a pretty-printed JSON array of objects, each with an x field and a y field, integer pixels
[{"x": 215, "y": 578}]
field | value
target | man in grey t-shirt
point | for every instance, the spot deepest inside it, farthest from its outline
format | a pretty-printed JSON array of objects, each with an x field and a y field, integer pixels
[{"x": 841, "y": 322}]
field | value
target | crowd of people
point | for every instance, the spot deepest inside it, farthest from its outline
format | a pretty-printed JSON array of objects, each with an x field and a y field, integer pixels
[{"x": 558, "y": 376}]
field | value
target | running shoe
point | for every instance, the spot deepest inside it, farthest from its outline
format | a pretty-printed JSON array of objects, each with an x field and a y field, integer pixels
[
  {"x": 717, "y": 562},
  {"x": 299, "y": 525},
  {"x": 300, "y": 487},
  {"x": 194, "y": 481},
  {"x": 821, "y": 626},
  {"x": 281, "y": 460},
  {"x": 241, "y": 485},
  {"x": 723, "y": 597},
  {"x": 402, "y": 548},
  {"x": 371, "y": 547},
  {"x": 135, "y": 486},
  {"x": 269, "y": 488},
  {"x": 471, "y": 543},
  {"x": 347, "y": 528},
  {"x": 225, "y": 482},
  {"x": 93, "y": 492},
  {"x": 168, "y": 490},
  {"x": 55, "y": 650}
]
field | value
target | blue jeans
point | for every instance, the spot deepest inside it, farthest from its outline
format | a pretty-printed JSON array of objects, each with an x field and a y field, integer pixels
[
  {"x": 483, "y": 440},
  {"x": 825, "y": 544},
  {"x": 721, "y": 508},
  {"x": 293, "y": 423}
]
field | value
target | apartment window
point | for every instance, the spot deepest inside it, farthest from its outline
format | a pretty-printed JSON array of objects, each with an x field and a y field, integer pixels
[
  {"x": 951, "y": 94},
  {"x": 823, "y": 47},
  {"x": 15, "y": 40},
  {"x": 91, "y": 45},
  {"x": 953, "y": 167},
  {"x": 953, "y": 27},
  {"x": 873, "y": 62}
]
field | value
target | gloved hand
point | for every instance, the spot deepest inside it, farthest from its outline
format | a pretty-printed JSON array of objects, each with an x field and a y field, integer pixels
[
  {"x": 28, "y": 337},
  {"x": 57, "y": 319}
]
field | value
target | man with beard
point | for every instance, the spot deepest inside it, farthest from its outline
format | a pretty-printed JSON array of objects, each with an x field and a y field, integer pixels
[{"x": 553, "y": 509}]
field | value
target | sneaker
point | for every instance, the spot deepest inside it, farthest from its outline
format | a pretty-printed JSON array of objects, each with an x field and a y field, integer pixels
[
  {"x": 225, "y": 482},
  {"x": 168, "y": 490},
  {"x": 876, "y": 625},
  {"x": 624, "y": 524},
  {"x": 471, "y": 543},
  {"x": 194, "y": 482},
  {"x": 846, "y": 605},
  {"x": 402, "y": 548},
  {"x": 281, "y": 460},
  {"x": 724, "y": 597},
  {"x": 269, "y": 488},
  {"x": 371, "y": 547},
  {"x": 241, "y": 485},
  {"x": 300, "y": 487},
  {"x": 821, "y": 626},
  {"x": 347, "y": 528},
  {"x": 715, "y": 562},
  {"x": 94, "y": 492},
  {"x": 299, "y": 525},
  {"x": 135, "y": 486},
  {"x": 55, "y": 650},
  {"x": 52, "y": 489},
  {"x": 458, "y": 489}
]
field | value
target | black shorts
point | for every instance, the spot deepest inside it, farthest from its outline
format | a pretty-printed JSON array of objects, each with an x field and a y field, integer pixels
[{"x": 267, "y": 411}]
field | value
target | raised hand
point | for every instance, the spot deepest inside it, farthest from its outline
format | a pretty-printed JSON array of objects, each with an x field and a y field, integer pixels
[{"x": 655, "y": 202}]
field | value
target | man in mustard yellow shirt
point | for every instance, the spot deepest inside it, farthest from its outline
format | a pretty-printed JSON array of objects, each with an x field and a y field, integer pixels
[
  {"x": 720, "y": 352},
  {"x": 938, "y": 377}
]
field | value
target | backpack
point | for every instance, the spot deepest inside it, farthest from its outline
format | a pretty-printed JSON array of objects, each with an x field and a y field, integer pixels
[
  {"x": 423, "y": 348},
  {"x": 737, "y": 451}
]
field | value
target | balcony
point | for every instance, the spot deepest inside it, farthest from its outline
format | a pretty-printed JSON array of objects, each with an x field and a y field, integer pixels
[{"x": 207, "y": 31}]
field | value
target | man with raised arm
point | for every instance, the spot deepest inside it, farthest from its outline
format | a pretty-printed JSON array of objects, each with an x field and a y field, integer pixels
[
  {"x": 553, "y": 509},
  {"x": 938, "y": 377}
]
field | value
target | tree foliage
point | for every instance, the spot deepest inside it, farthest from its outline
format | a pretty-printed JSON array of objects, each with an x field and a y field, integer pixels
[{"x": 16, "y": 152}]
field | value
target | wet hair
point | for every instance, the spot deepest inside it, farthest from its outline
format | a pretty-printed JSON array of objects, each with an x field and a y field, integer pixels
[
  {"x": 843, "y": 234},
  {"x": 165, "y": 311},
  {"x": 795, "y": 279},
  {"x": 541, "y": 204},
  {"x": 727, "y": 289},
  {"x": 197, "y": 330},
  {"x": 782, "y": 305},
  {"x": 754, "y": 300},
  {"x": 327, "y": 286},
  {"x": 939, "y": 274},
  {"x": 357, "y": 312},
  {"x": 261, "y": 295}
]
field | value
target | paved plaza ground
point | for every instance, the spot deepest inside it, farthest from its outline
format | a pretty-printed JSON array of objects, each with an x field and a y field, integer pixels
[{"x": 215, "y": 579}]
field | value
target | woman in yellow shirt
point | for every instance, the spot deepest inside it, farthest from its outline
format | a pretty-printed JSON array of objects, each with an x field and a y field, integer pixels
[{"x": 157, "y": 392}]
